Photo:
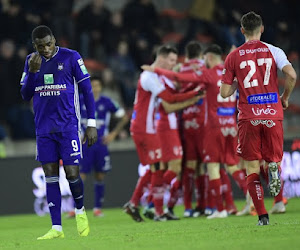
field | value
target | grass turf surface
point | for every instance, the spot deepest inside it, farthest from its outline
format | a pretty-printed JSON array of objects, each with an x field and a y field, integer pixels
[{"x": 117, "y": 230}]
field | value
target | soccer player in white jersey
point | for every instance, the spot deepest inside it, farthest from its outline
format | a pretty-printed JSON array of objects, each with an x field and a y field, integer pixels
[{"x": 260, "y": 106}]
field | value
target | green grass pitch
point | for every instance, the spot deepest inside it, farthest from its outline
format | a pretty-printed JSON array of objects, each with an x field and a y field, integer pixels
[{"x": 117, "y": 230}]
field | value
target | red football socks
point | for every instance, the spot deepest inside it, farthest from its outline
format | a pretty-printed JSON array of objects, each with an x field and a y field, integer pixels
[
  {"x": 187, "y": 184},
  {"x": 200, "y": 191},
  {"x": 157, "y": 189},
  {"x": 240, "y": 180},
  {"x": 257, "y": 193},
  {"x": 139, "y": 189},
  {"x": 215, "y": 189}
]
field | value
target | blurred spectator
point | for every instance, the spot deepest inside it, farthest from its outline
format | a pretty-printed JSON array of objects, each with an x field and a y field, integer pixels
[
  {"x": 141, "y": 20},
  {"x": 116, "y": 31},
  {"x": 13, "y": 22},
  {"x": 19, "y": 118},
  {"x": 201, "y": 14},
  {"x": 92, "y": 29},
  {"x": 124, "y": 71},
  {"x": 62, "y": 22},
  {"x": 111, "y": 87}
]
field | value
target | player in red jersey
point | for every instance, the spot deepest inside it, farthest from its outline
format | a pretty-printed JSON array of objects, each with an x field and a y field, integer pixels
[
  {"x": 168, "y": 133},
  {"x": 192, "y": 120},
  {"x": 260, "y": 106},
  {"x": 143, "y": 130}
]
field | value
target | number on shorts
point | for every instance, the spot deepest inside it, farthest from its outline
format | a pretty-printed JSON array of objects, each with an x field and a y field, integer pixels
[
  {"x": 260, "y": 61},
  {"x": 74, "y": 145}
]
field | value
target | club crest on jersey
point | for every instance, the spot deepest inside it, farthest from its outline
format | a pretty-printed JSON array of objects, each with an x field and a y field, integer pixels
[
  {"x": 242, "y": 52},
  {"x": 60, "y": 66}
]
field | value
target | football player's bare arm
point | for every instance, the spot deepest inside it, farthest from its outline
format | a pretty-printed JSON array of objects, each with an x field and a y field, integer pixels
[
  {"x": 173, "y": 107},
  {"x": 290, "y": 81},
  {"x": 227, "y": 90}
]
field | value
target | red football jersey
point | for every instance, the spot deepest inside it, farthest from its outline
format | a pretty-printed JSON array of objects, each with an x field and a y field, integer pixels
[
  {"x": 145, "y": 103},
  {"x": 166, "y": 121},
  {"x": 220, "y": 111},
  {"x": 255, "y": 65},
  {"x": 197, "y": 110}
]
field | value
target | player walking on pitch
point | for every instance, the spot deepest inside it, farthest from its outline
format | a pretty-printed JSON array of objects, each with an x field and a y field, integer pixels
[
  {"x": 260, "y": 106},
  {"x": 52, "y": 76}
]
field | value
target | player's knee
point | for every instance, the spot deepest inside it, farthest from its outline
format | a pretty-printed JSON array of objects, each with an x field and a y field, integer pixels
[
  {"x": 72, "y": 172},
  {"x": 99, "y": 176},
  {"x": 231, "y": 168},
  {"x": 175, "y": 166},
  {"x": 191, "y": 164},
  {"x": 51, "y": 169},
  {"x": 213, "y": 170}
]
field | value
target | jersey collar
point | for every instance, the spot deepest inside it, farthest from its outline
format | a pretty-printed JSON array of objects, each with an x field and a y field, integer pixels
[{"x": 57, "y": 49}]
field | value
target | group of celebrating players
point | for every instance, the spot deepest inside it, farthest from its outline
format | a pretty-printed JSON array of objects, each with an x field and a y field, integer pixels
[{"x": 176, "y": 145}]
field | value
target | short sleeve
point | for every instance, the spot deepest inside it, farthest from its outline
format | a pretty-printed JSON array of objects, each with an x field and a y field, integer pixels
[
  {"x": 228, "y": 73},
  {"x": 279, "y": 56},
  {"x": 79, "y": 70},
  {"x": 113, "y": 106},
  {"x": 151, "y": 82}
]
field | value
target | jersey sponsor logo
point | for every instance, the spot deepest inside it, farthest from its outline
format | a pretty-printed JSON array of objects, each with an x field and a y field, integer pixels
[
  {"x": 264, "y": 111},
  {"x": 48, "y": 79},
  {"x": 225, "y": 121},
  {"x": 193, "y": 109},
  {"x": 268, "y": 123},
  {"x": 229, "y": 131},
  {"x": 60, "y": 66},
  {"x": 263, "y": 98},
  {"x": 225, "y": 111},
  {"x": 191, "y": 124},
  {"x": 83, "y": 69},
  {"x": 50, "y": 90},
  {"x": 243, "y": 52}
]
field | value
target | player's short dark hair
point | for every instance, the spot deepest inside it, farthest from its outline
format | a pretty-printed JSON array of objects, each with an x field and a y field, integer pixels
[
  {"x": 251, "y": 21},
  {"x": 96, "y": 78},
  {"x": 165, "y": 50},
  {"x": 215, "y": 49},
  {"x": 41, "y": 32},
  {"x": 193, "y": 49}
]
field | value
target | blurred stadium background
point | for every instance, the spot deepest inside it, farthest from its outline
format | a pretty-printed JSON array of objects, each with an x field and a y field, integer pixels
[{"x": 115, "y": 37}]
